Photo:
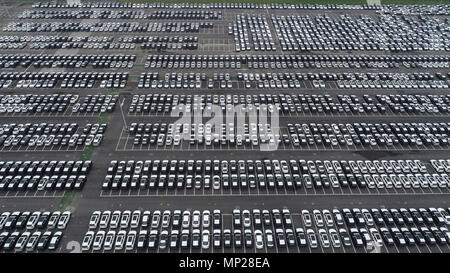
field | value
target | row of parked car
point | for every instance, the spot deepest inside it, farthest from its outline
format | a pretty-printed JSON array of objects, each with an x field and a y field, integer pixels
[
  {"x": 440, "y": 9},
  {"x": 54, "y": 42},
  {"x": 43, "y": 175},
  {"x": 56, "y": 103},
  {"x": 62, "y": 60},
  {"x": 75, "y": 45},
  {"x": 34, "y": 220},
  {"x": 57, "y": 26},
  {"x": 96, "y": 104},
  {"x": 33, "y": 103},
  {"x": 31, "y": 141},
  {"x": 290, "y": 61},
  {"x": 27, "y": 241},
  {"x": 271, "y": 174},
  {"x": 146, "y": 39},
  {"x": 12, "y": 45},
  {"x": 66, "y": 79},
  {"x": 266, "y": 229},
  {"x": 45, "y": 167},
  {"x": 129, "y": 5},
  {"x": 291, "y": 103},
  {"x": 274, "y": 218},
  {"x": 122, "y": 14},
  {"x": 295, "y": 135},
  {"x": 49, "y": 134},
  {"x": 12, "y": 183},
  {"x": 346, "y": 76},
  {"x": 170, "y": 45},
  {"x": 348, "y": 80},
  {"x": 390, "y": 84},
  {"x": 103, "y": 62},
  {"x": 55, "y": 38}
]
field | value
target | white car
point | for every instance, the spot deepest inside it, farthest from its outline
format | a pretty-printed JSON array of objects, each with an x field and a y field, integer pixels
[
  {"x": 185, "y": 222},
  {"x": 205, "y": 239},
  {"x": 312, "y": 238},
  {"x": 3, "y": 219},
  {"x": 216, "y": 182},
  {"x": 196, "y": 219},
  {"x": 306, "y": 218},
  {"x": 334, "y": 236},
  {"x": 318, "y": 218},
  {"x": 98, "y": 240},
  {"x": 53, "y": 221},
  {"x": 33, "y": 219},
  {"x": 246, "y": 218},
  {"x": 104, "y": 219},
  {"x": 109, "y": 240},
  {"x": 63, "y": 220},
  {"x": 131, "y": 239},
  {"x": 135, "y": 219},
  {"x": 115, "y": 219},
  {"x": 97, "y": 140},
  {"x": 33, "y": 241},
  {"x": 87, "y": 241},
  {"x": 145, "y": 218},
  {"x": 120, "y": 240},
  {"x": 22, "y": 241},
  {"x": 95, "y": 218},
  {"x": 125, "y": 219},
  {"x": 324, "y": 238},
  {"x": 206, "y": 219},
  {"x": 155, "y": 219},
  {"x": 259, "y": 240}
]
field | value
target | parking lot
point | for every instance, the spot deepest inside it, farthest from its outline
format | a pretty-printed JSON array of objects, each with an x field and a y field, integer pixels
[{"x": 362, "y": 125}]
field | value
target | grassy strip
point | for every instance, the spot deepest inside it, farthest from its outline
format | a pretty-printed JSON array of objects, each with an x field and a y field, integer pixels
[
  {"x": 66, "y": 200},
  {"x": 86, "y": 155}
]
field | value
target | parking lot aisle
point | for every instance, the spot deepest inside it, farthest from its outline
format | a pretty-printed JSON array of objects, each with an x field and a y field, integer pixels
[
  {"x": 252, "y": 228},
  {"x": 263, "y": 230},
  {"x": 119, "y": 140}
]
